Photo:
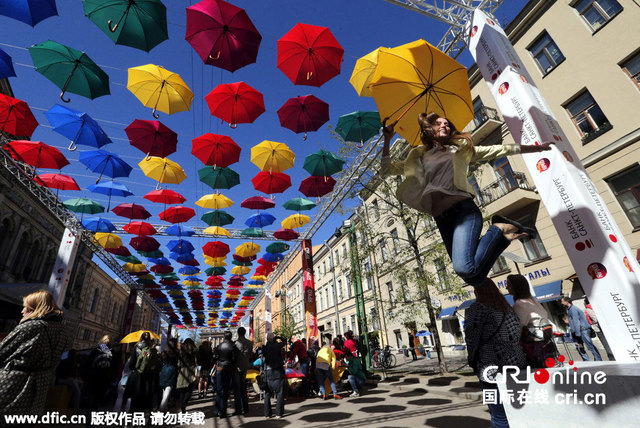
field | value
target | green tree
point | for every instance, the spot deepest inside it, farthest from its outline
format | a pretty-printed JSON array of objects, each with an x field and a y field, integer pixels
[{"x": 287, "y": 327}]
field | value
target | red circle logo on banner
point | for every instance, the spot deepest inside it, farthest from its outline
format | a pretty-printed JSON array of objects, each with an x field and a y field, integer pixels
[
  {"x": 474, "y": 30},
  {"x": 503, "y": 88},
  {"x": 597, "y": 270},
  {"x": 543, "y": 164}
]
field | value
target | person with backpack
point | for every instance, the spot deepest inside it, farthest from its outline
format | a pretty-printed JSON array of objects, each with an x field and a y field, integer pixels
[
  {"x": 148, "y": 366},
  {"x": 100, "y": 371}
]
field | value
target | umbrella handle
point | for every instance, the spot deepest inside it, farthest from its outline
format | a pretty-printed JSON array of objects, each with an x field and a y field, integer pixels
[
  {"x": 305, "y": 136},
  {"x": 233, "y": 125},
  {"x": 272, "y": 197},
  {"x": 156, "y": 115},
  {"x": 62, "y": 97},
  {"x": 72, "y": 147},
  {"x": 360, "y": 144},
  {"x": 309, "y": 75},
  {"x": 114, "y": 28},
  {"x": 217, "y": 57}
]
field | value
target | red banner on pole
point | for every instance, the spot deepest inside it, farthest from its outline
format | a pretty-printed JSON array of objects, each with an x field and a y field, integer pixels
[
  {"x": 251, "y": 325},
  {"x": 309, "y": 292}
]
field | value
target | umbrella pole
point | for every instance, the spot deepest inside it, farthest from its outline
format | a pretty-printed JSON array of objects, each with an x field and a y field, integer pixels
[
  {"x": 66, "y": 84},
  {"x": 73, "y": 142},
  {"x": 115, "y": 27},
  {"x": 155, "y": 107}
]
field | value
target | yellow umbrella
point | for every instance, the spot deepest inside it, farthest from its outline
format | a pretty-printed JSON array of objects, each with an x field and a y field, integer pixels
[
  {"x": 272, "y": 156},
  {"x": 294, "y": 221},
  {"x": 191, "y": 283},
  {"x": 108, "y": 240},
  {"x": 134, "y": 267},
  {"x": 252, "y": 374},
  {"x": 214, "y": 201},
  {"x": 416, "y": 78},
  {"x": 247, "y": 249},
  {"x": 259, "y": 277},
  {"x": 159, "y": 89},
  {"x": 240, "y": 270},
  {"x": 363, "y": 72},
  {"x": 216, "y": 230},
  {"x": 162, "y": 169},
  {"x": 215, "y": 261},
  {"x": 135, "y": 336},
  {"x": 147, "y": 276}
]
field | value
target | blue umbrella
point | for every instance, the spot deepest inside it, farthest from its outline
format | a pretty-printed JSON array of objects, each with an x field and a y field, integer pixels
[
  {"x": 272, "y": 257},
  {"x": 181, "y": 257},
  {"x": 255, "y": 282},
  {"x": 179, "y": 230},
  {"x": 260, "y": 220},
  {"x": 98, "y": 224},
  {"x": 28, "y": 11},
  {"x": 189, "y": 270},
  {"x": 105, "y": 163},
  {"x": 161, "y": 261},
  {"x": 180, "y": 246},
  {"x": 77, "y": 126},
  {"x": 6, "y": 66},
  {"x": 192, "y": 278},
  {"x": 110, "y": 188}
]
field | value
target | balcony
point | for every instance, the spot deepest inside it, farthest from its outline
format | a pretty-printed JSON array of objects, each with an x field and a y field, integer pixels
[
  {"x": 485, "y": 121},
  {"x": 503, "y": 187}
]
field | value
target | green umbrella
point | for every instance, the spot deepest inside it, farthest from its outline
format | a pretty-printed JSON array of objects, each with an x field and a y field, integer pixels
[
  {"x": 299, "y": 204},
  {"x": 252, "y": 232},
  {"x": 219, "y": 178},
  {"x": 141, "y": 24},
  {"x": 323, "y": 163},
  {"x": 70, "y": 69},
  {"x": 83, "y": 206},
  {"x": 129, "y": 259},
  {"x": 144, "y": 281},
  {"x": 217, "y": 218},
  {"x": 239, "y": 263},
  {"x": 358, "y": 126},
  {"x": 215, "y": 271},
  {"x": 277, "y": 247},
  {"x": 151, "y": 254},
  {"x": 170, "y": 275}
]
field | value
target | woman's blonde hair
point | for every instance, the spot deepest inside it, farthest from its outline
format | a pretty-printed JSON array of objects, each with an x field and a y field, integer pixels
[
  {"x": 105, "y": 339},
  {"x": 39, "y": 304},
  {"x": 427, "y": 136}
]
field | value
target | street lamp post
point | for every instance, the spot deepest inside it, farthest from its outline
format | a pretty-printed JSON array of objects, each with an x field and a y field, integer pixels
[{"x": 335, "y": 294}]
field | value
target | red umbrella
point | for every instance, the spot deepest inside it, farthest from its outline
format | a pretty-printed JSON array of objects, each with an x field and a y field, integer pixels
[
  {"x": 140, "y": 228},
  {"x": 257, "y": 203},
  {"x": 286, "y": 234},
  {"x": 120, "y": 251},
  {"x": 303, "y": 114},
  {"x": 192, "y": 262},
  {"x": 165, "y": 196},
  {"x": 222, "y": 34},
  {"x": 235, "y": 103},
  {"x": 215, "y": 150},
  {"x": 177, "y": 214},
  {"x": 144, "y": 244},
  {"x": 168, "y": 282},
  {"x": 271, "y": 182},
  {"x": 57, "y": 181},
  {"x": 317, "y": 186},
  {"x": 16, "y": 117},
  {"x": 263, "y": 262},
  {"x": 263, "y": 270},
  {"x": 309, "y": 55},
  {"x": 161, "y": 269},
  {"x": 37, "y": 154},
  {"x": 293, "y": 374},
  {"x": 131, "y": 211},
  {"x": 152, "y": 137},
  {"x": 215, "y": 249},
  {"x": 244, "y": 259}
]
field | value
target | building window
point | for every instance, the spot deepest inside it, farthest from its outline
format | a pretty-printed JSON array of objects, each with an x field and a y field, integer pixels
[
  {"x": 86, "y": 335},
  {"x": 597, "y": 12},
  {"x": 534, "y": 248},
  {"x": 383, "y": 250},
  {"x": 632, "y": 68},
  {"x": 395, "y": 241},
  {"x": 392, "y": 294},
  {"x": 441, "y": 272},
  {"x": 500, "y": 265},
  {"x": 626, "y": 187},
  {"x": 473, "y": 181},
  {"x": 344, "y": 325},
  {"x": 319, "y": 299},
  {"x": 587, "y": 117},
  {"x": 376, "y": 209},
  {"x": 340, "y": 291},
  {"x": 349, "y": 286},
  {"x": 344, "y": 250},
  {"x": 94, "y": 301},
  {"x": 367, "y": 272},
  {"x": 546, "y": 53},
  {"x": 354, "y": 325},
  {"x": 479, "y": 113},
  {"x": 336, "y": 257},
  {"x": 398, "y": 338},
  {"x": 504, "y": 174}
]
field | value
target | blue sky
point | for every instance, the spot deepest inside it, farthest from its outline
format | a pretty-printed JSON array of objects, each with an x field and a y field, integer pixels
[{"x": 359, "y": 25}]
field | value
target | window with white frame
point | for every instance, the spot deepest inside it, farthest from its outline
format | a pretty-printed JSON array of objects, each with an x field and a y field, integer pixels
[
  {"x": 533, "y": 248},
  {"x": 376, "y": 209},
  {"x": 626, "y": 186},
  {"x": 631, "y": 67},
  {"x": 348, "y": 285},
  {"x": 354, "y": 325},
  {"x": 392, "y": 294},
  {"x": 344, "y": 250},
  {"x": 319, "y": 300},
  {"x": 441, "y": 272},
  {"x": 587, "y": 115},
  {"x": 395, "y": 241},
  {"x": 597, "y": 12},
  {"x": 546, "y": 53},
  {"x": 500, "y": 265},
  {"x": 383, "y": 250},
  {"x": 369, "y": 276},
  {"x": 340, "y": 291},
  {"x": 336, "y": 257}
]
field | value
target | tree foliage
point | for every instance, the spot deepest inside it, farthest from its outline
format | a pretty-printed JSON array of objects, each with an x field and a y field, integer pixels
[{"x": 288, "y": 327}]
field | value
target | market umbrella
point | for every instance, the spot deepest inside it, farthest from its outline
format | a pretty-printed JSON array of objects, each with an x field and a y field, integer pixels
[
  {"x": 323, "y": 163},
  {"x": 57, "y": 181},
  {"x": 358, "y": 126},
  {"x": 6, "y": 66},
  {"x": 214, "y": 201},
  {"x": 152, "y": 137},
  {"x": 303, "y": 114},
  {"x": 162, "y": 170},
  {"x": 272, "y": 156},
  {"x": 286, "y": 234},
  {"x": 215, "y": 150},
  {"x": 83, "y": 206},
  {"x": 235, "y": 103},
  {"x": 179, "y": 230},
  {"x": 217, "y": 218},
  {"x": 159, "y": 89},
  {"x": 105, "y": 163},
  {"x": 140, "y": 24},
  {"x": 98, "y": 224},
  {"x": 108, "y": 240},
  {"x": 131, "y": 211},
  {"x": 252, "y": 232},
  {"x": 363, "y": 72},
  {"x": 240, "y": 270},
  {"x": 299, "y": 204},
  {"x": 294, "y": 221},
  {"x": 140, "y": 228},
  {"x": 144, "y": 243},
  {"x": 216, "y": 230},
  {"x": 136, "y": 335},
  {"x": 260, "y": 220},
  {"x": 70, "y": 69},
  {"x": 77, "y": 126},
  {"x": 16, "y": 117},
  {"x": 219, "y": 177},
  {"x": 257, "y": 203},
  {"x": 177, "y": 214},
  {"x": 309, "y": 55},
  {"x": 37, "y": 154},
  {"x": 216, "y": 249},
  {"x": 271, "y": 182},
  {"x": 247, "y": 249},
  {"x": 222, "y": 34},
  {"x": 316, "y": 186},
  {"x": 277, "y": 247},
  {"x": 417, "y": 78},
  {"x": 29, "y": 11},
  {"x": 165, "y": 196}
]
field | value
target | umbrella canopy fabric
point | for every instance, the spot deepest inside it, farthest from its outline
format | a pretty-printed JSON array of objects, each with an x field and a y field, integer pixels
[
  {"x": 140, "y": 24},
  {"x": 165, "y": 196},
  {"x": 257, "y": 203},
  {"x": 16, "y": 117},
  {"x": 240, "y": 270},
  {"x": 216, "y": 249},
  {"x": 303, "y": 114},
  {"x": 144, "y": 243},
  {"x": 108, "y": 240},
  {"x": 6, "y": 66},
  {"x": 417, "y": 78},
  {"x": 105, "y": 163},
  {"x": 247, "y": 249},
  {"x": 140, "y": 228},
  {"x": 316, "y": 186},
  {"x": 134, "y": 268},
  {"x": 83, "y": 205},
  {"x": 252, "y": 232},
  {"x": 69, "y": 69},
  {"x": 98, "y": 224},
  {"x": 152, "y": 137},
  {"x": 216, "y": 230},
  {"x": 235, "y": 103},
  {"x": 136, "y": 335},
  {"x": 120, "y": 251},
  {"x": 189, "y": 270},
  {"x": 162, "y": 170},
  {"x": 180, "y": 246},
  {"x": 277, "y": 247},
  {"x": 177, "y": 214},
  {"x": 219, "y": 177},
  {"x": 272, "y": 257},
  {"x": 131, "y": 211},
  {"x": 299, "y": 204},
  {"x": 37, "y": 154},
  {"x": 57, "y": 181},
  {"x": 129, "y": 259},
  {"x": 29, "y": 11},
  {"x": 271, "y": 182},
  {"x": 243, "y": 259},
  {"x": 77, "y": 126},
  {"x": 294, "y": 221},
  {"x": 323, "y": 163},
  {"x": 161, "y": 269},
  {"x": 160, "y": 261},
  {"x": 222, "y": 34},
  {"x": 272, "y": 156},
  {"x": 363, "y": 72},
  {"x": 110, "y": 188},
  {"x": 238, "y": 263},
  {"x": 214, "y": 201},
  {"x": 309, "y": 55},
  {"x": 159, "y": 89},
  {"x": 179, "y": 230},
  {"x": 215, "y": 150},
  {"x": 217, "y": 218},
  {"x": 358, "y": 126},
  {"x": 260, "y": 220},
  {"x": 286, "y": 234}
]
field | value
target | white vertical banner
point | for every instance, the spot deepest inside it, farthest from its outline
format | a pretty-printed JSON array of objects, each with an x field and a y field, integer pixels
[
  {"x": 604, "y": 263},
  {"x": 267, "y": 312},
  {"x": 64, "y": 265}
]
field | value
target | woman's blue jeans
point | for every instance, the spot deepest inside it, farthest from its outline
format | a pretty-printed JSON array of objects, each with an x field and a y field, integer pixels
[
  {"x": 472, "y": 256},
  {"x": 498, "y": 415},
  {"x": 321, "y": 375}
]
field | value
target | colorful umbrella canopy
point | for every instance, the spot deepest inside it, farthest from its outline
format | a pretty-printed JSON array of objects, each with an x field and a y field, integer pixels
[
  {"x": 131, "y": 211},
  {"x": 110, "y": 188},
  {"x": 252, "y": 232},
  {"x": 151, "y": 254},
  {"x": 222, "y": 34},
  {"x": 241, "y": 270},
  {"x": 98, "y": 224},
  {"x": 83, "y": 205},
  {"x": 152, "y": 137},
  {"x": 214, "y": 201},
  {"x": 105, "y": 163},
  {"x": 29, "y": 11},
  {"x": 272, "y": 257},
  {"x": 216, "y": 230},
  {"x": 120, "y": 251},
  {"x": 16, "y": 117},
  {"x": 247, "y": 249},
  {"x": 140, "y": 228},
  {"x": 293, "y": 374},
  {"x": 77, "y": 126},
  {"x": 161, "y": 269},
  {"x": 309, "y": 55},
  {"x": 189, "y": 270},
  {"x": 257, "y": 203},
  {"x": 235, "y": 103},
  {"x": 358, "y": 126},
  {"x": 36, "y": 154},
  {"x": 299, "y": 204},
  {"x": 160, "y": 261},
  {"x": 129, "y": 259},
  {"x": 316, "y": 186},
  {"x": 243, "y": 259},
  {"x": 181, "y": 246},
  {"x": 177, "y": 214},
  {"x": 162, "y": 170},
  {"x": 215, "y": 249},
  {"x": 238, "y": 263},
  {"x": 141, "y": 24},
  {"x": 6, "y": 66},
  {"x": 271, "y": 182},
  {"x": 179, "y": 230},
  {"x": 159, "y": 89},
  {"x": 144, "y": 243},
  {"x": 70, "y": 70},
  {"x": 165, "y": 196},
  {"x": 277, "y": 247},
  {"x": 215, "y": 150},
  {"x": 57, "y": 181},
  {"x": 216, "y": 271},
  {"x": 363, "y": 72},
  {"x": 417, "y": 78},
  {"x": 108, "y": 240},
  {"x": 219, "y": 177},
  {"x": 260, "y": 220},
  {"x": 303, "y": 114},
  {"x": 272, "y": 156},
  {"x": 215, "y": 261},
  {"x": 136, "y": 335},
  {"x": 134, "y": 267},
  {"x": 323, "y": 163},
  {"x": 294, "y": 221},
  {"x": 217, "y": 218}
]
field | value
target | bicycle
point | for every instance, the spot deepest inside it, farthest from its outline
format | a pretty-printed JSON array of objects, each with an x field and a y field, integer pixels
[{"x": 383, "y": 358}]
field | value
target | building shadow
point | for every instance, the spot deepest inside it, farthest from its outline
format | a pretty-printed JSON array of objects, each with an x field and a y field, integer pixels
[
  {"x": 413, "y": 393},
  {"x": 456, "y": 421},
  {"x": 429, "y": 402}
]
